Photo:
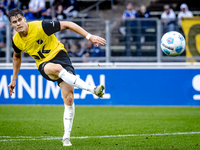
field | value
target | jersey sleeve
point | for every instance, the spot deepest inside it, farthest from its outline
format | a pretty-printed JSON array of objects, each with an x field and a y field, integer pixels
[
  {"x": 17, "y": 50},
  {"x": 50, "y": 27}
]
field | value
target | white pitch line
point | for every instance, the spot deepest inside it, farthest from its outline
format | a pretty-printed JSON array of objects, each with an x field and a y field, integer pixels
[{"x": 23, "y": 138}]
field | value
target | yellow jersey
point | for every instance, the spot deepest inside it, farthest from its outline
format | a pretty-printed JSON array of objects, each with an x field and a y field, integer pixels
[{"x": 40, "y": 42}]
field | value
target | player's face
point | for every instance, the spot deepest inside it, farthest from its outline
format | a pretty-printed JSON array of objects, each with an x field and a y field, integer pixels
[{"x": 18, "y": 23}]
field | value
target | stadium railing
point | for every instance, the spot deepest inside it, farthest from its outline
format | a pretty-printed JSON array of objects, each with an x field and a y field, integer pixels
[
  {"x": 135, "y": 40},
  {"x": 117, "y": 65}
]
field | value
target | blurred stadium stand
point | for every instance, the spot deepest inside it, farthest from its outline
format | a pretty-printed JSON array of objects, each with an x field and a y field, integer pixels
[
  {"x": 93, "y": 15},
  {"x": 156, "y": 6}
]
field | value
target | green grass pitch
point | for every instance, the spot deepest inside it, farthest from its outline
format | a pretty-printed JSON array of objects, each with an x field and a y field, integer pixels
[{"x": 98, "y": 128}]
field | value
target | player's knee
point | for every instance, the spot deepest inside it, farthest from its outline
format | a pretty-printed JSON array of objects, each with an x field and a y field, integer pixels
[
  {"x": 68, "y": 98},
  {"x": 57, "y": 68},
  {"x": 51, "y": 68}
]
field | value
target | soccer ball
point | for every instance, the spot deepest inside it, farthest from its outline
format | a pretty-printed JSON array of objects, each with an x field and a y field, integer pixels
[{"x": 172, "y": 43}]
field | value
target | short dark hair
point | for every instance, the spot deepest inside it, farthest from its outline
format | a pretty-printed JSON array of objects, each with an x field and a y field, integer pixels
[{"x": 15, "y": 12}]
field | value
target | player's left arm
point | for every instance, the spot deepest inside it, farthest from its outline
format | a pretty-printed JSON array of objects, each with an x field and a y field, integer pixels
[
  {"x": 17, "y": 58},
  {"x": 96, "y": 40}
]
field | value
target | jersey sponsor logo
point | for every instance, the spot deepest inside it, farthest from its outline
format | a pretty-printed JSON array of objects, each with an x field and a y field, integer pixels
[{"x": 40, "y": 53}]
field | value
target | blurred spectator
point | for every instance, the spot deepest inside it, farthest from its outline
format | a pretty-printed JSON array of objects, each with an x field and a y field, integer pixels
[
  {"x": 72, "y": 51},
  {"x": 3, "y": 5},
  {"x": 8, "y": 5},
  {"x": 36, "y": 6},
  {"x": 143, "y": 13},
  {"x": 56, "y": 3},
  {"x": 66, "y": 44},
  {"x": 54, "y": 7},
  {"x": 3, "y": 19},
  {"x": 59, "y": 14},
  {"x": 72, "y": 8},
  {"x": 129, "y": 30},
  {"x": 46, "y": 14},
  {"x": 130, "y": 13},
  {"x": 168, "y": 19},
  {"x": 28, "y": 15},
  {"x": 11, "y": 4},
  {"x": 81, "y": 51},
  {"x": 24, "y": 2},
  {"x": 94, "y": 51},
  {"x": 184, "y": 13},
  {"x": 76, "y": 50}
]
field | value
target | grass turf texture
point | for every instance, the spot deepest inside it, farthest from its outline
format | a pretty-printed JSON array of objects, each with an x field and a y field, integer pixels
[{"x": 37, "y": 121}]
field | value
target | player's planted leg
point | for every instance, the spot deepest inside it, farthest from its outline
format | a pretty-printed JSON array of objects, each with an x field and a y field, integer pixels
[
  {"x": 68, "y": 121},
  {"x": 68, "y": 97}
]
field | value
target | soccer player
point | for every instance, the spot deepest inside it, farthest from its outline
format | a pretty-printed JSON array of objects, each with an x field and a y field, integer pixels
[{"x": 38, "y": 40}]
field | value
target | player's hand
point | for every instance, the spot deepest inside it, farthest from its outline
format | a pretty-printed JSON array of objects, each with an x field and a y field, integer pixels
[
  {"x": 11, "y": 87},
  {"x": 96, "y": 40}
]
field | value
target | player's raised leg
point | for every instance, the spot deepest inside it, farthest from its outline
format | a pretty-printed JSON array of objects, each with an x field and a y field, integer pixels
[
  {"x": 68, "y": 98},
  {"x": 54, "y": 71}
]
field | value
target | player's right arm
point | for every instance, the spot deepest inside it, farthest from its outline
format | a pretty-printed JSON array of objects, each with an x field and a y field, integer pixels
[
  {"x": 17, "y": 59},
  {"x": 55, "y": 26},
  {"x": 96, "y": 40}
]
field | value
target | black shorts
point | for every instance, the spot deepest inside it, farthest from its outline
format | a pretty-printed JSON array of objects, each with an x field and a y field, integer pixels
[{"x": 61, "y": 58}]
